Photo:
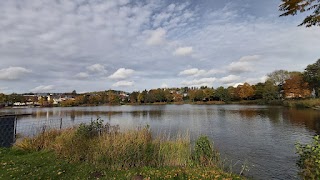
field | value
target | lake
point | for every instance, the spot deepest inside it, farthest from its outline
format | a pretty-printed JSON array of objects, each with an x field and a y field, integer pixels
[{"x": 261, "y": 137}]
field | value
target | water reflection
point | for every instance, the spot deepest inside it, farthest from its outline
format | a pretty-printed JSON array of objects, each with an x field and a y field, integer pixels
[
  {"x": 262, "y": 135},
  {"x": 308, "y": 118}
]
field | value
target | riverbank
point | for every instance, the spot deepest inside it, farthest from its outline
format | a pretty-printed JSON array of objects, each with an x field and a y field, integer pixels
[
  {"x": 17, "y": 164},
  {"x": 103, "y": 151}
]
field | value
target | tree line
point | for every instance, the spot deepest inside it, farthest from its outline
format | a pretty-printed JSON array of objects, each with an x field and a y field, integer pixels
[{"x": 280, "y": 84}]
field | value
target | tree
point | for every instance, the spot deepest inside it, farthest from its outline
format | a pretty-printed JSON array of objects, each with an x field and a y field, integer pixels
[
  {"x": 270, "y": 91},
  {"x": 142, "y": 96},
  {"x": 222, "y": 93},
  {"x": 134, "y": 97},
  {"x": 74, "y": 92},
  {"x": 293, "y": 7},
  {"x": 244, "y": 91},
  {"x": 278, "y": 77},
  {"x": 208, "y": 93},
  {"x": 296, "y": 87},
  {"x": 312, "y": 76},
  {"x": 258, "y": 91},
  {"x": 2, "y": 98}
]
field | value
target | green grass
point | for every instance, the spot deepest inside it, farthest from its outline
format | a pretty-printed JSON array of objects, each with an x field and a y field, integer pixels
[{"x": 19, "y": 164}]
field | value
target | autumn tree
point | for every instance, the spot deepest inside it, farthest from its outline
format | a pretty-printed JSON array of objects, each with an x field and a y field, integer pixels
[
  {"x": 296, "y": 87},
  {"x": 293, "y": 7},
  {"x": 177, "y": 97},
  {"x": 278, "y": 78},
  {"x": 168, "y": 95},
  {"x": 113, "y": 97},
  {"x": 244, "y": 91},
  {"x": 208, "y": 94},
  {"x": 312, "y": 76}
]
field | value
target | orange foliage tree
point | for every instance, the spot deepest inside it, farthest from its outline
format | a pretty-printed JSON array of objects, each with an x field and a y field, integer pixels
[
  {"x": 244, "y": 91},
  {"x": 296, "y": 87}
]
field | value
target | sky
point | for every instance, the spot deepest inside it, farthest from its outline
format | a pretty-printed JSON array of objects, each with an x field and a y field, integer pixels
[{"x": 82, "y": 45}]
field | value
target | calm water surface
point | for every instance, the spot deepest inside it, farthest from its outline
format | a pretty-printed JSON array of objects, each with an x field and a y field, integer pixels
[{"x": 263, "y": 137}]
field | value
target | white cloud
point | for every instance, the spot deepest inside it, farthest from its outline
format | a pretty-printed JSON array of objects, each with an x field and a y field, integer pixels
[
  {"x": 183, "y": 51},
  {"x": 42, "y": 88},
  {"x": 249, "y": 58},
  {"x": 96, "y": 68},
  {"x": 60, "y": 39},
  {"x": 240, "y": 67},
  {"x": 200, "y": 82},
  {"x": 229, "y": 79},
  {"x": 123, "y": 84},
  {"x": 256, "y": 80},
  {"x": 82, "y": 75},
  {"x": 191, "y": 72},
  {"x": 157, "y": 37},
  {"x": 122, "y": 73},
  {"x": 200, "y": 72},
  {"x": 244, "y": 64},
  {"x": 237, "y": 84},
  {"x": 13, "y": 73}
]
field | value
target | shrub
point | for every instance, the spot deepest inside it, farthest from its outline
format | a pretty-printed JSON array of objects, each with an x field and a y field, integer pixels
[
  {"x": 95, "y": 128},
  {"x": 309, "y": 159},
  {"x": 204, "y": 153}
]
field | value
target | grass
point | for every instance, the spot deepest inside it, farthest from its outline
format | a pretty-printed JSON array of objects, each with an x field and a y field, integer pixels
[
  {"x": 305, "y": 103},
  {"x": 100, "y": 151},
  {"x": 18, "y": 164}
]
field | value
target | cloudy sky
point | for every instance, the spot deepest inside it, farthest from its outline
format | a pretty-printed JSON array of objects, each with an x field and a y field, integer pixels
[{"x": 62, "y": 45}]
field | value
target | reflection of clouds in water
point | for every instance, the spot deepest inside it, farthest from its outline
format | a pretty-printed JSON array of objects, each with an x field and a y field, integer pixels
[{"x": 265, "y": 136}]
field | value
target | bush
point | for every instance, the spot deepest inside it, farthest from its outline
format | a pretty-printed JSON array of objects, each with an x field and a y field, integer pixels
[
  {"x": 95, "y": 128},
  {"x": 309, "y": 159},
  {"x": 204, "y": 153}
]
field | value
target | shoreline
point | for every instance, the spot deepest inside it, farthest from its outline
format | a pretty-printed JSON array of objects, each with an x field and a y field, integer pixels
[{"x": 294, "y": 103}]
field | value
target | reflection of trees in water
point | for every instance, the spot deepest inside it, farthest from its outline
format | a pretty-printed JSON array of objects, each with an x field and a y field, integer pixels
[
  {"x": 248, "y": 113},
  {"x": 154, "y": 115},
  {"x": 73, "y": 114},
  {"x": 273, "y": 114},
  {"x": 308, "y": 118}
]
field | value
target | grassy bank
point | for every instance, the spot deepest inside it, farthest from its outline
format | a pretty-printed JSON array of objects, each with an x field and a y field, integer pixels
[
  {"x": 18, "y": 164},
  {"x": 305, "y": 103},
  {"x": 103, "y": 151}
]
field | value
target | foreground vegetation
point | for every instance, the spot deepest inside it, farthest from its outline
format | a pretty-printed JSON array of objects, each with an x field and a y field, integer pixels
[
  {"x": 309, "y": 161},
  {"x": 18, "y": 164},
  {"x": 102, "y": 151}
]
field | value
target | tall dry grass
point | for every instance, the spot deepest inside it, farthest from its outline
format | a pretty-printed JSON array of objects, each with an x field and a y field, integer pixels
[
  {"x": 105, "y": 145},
  {"x": 306, "y": 103}
]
